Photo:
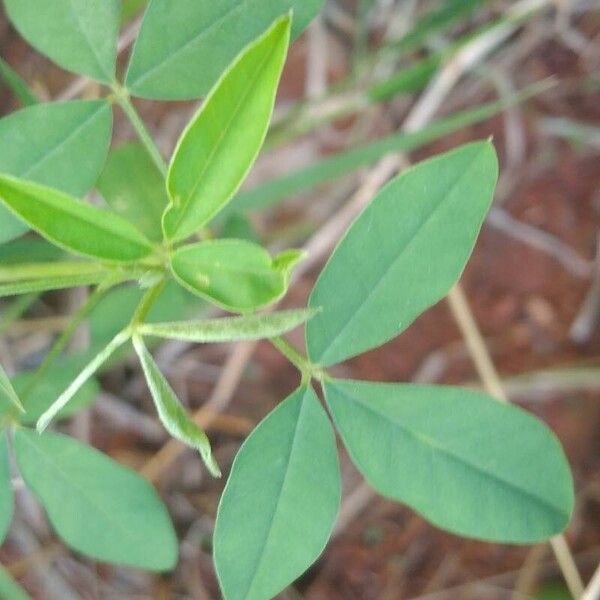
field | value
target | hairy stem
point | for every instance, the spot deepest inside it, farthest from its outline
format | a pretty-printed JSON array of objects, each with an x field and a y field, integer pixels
[{"x": 296, "y": 358}]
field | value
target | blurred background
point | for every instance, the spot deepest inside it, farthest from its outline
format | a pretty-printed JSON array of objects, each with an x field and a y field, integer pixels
[{"x": 364, "y": 72}]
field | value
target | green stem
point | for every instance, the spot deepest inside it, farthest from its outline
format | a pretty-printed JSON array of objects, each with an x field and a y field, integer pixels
[
  {"x": 122, "y": 97},
  {"x": 60, "y": 344},
  {"x": 306, "y": 368},
  {"x": 146, "y": 303}
]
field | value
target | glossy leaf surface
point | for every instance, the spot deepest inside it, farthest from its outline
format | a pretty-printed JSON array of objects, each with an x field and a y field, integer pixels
[
  {"x": 218, "y": 147},
  {"x": 72, "y": 224},
  {"x": 133, "y": 188},
  {"x": 230, "y": 329},
  {"x": 62, "y": 145},
  {"x": 184, "y": 46},
  {"x": 98, "y": 507},
  {"x": 464, "y": 461},
  {"x": 280, "y": 503},
  {"x": 234, "y": 274},
  {"x": 6, "y": 493},
  {"x": 402, "y": 254},
  {"x": 78, "y": 35},
  {"x": 172, "y": 415}
]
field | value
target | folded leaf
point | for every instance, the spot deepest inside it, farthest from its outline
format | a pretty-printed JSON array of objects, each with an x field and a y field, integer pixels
[
  {"x": 234, "y": 274},
  {"x": 98, "y": 507},
  {"x": 230, "y": 329},
  {"x": 172, "y": 415},
  {"x": 88, "y": 371},
  {"x": 184, "y": 46},
  {"x": 78, "y": 35},
  {"x": 6, "y": 493},
  {"x": 467, "y": 463},
  {"x": 133, "y": 188},
  {"x": 402, "y": 254},
  {"x": 218, "y": 147},
  {"x": 280, "y": 503},
  {"x": 63, "y": 145},
  {"x": 72, "y": 224},
  {"x": 7, "y": 392}
]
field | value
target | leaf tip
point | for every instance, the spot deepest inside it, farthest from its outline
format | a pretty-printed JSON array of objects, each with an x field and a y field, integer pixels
[{"x": 212, "y": 465}]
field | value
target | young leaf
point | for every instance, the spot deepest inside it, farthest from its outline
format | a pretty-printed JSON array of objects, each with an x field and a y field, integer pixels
[
  {"x": 184, "y": 46},
  {"x": 171, "y": 413},
  {"x": 6, "y": 493},
  {"x": 78, "y": 35},
  {"x": 63, "y": 145},
  {"x": 7, "y": 392},
  {"x": 234, "y": 274},
  {"x": 464, "y": 461},
  {"x": 81, "y": 379},
  {"x": 402, "y": 254},
  {"x": 98, "y": 507},
  {"x": 229, "y": 329},
  {"x": 9, "y": 588},
  {"x": 280, "y": 503},
  {"x": 218, "y": 147},
  {"x": 133, "y": 188},
  {"x": 72, "y": 224}
]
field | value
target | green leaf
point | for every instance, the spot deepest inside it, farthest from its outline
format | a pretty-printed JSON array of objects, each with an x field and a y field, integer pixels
[
  {"x": 16, "y": 84},
  {"x": 234, "y": 274},
  {"x": 72, "y": 224},
  {"x": 230, "y": 329},
  {"x": 184, "y": 46},
  {"x": 280, "y": 503},
  {"x": 62, "y": 145},
  {"x": 467, "y": 463},
  {"x": 6, "y": 493},
  {"x": 171, "y": 413},
  {"x": 7, "y": 392},
  {"x": 114, "y": 310},
  {"x": 88, "y": 371},
  {"x": 133, "y": 188},
  {"x": 29, "y": 250},
  {"x": 402, "y": 254},
  {"x": 218, "y": 147},
  {"x": 79, "y": 35},
  {"x": 98, "y": 507},
  {"x": 9, "y": 588}
]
